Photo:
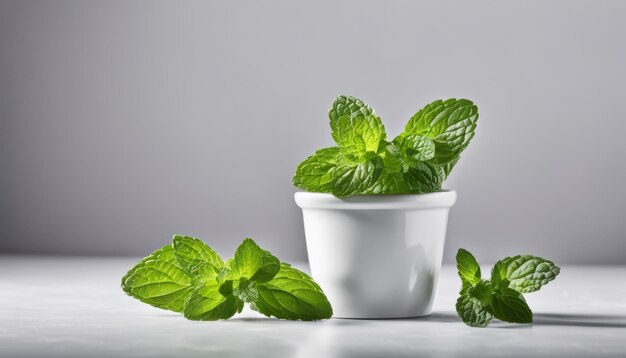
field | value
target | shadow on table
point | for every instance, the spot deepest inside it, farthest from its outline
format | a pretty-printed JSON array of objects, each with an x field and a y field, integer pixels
[
  {"x": 540, "y": 319},
  {"x": 548, "y": 319},
  {"x": 580, "y": 320}
]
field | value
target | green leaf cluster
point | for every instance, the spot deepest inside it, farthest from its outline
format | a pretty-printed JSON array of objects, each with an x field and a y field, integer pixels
[
  {"x": 501, "y": 297},
  {"x": 364, "y": 162},
  {"x": 190, "y": 277}
]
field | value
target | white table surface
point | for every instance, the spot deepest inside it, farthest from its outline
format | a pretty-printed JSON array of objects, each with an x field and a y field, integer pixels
[{"x": 74, "y": 307}]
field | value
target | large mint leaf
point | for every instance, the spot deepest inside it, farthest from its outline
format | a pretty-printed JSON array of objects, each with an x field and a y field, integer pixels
[
  {"x": 159, "y": 280},
  {"x": 509, "y": 305},
  {"x": 450, "y": 124},
  {"x": 254, "y": 263},
  {"x": 355, "y": 125},
  {"x": 468, "y": 267},
  {"x": 191, "y": 252},
  {"x": 315, "y": 172},
  {"x": 292, "y": 294},
  {"x": 525, "y": 273},
  {"x": 355, "y": 176},
  {"x": 206, "y": 303}
]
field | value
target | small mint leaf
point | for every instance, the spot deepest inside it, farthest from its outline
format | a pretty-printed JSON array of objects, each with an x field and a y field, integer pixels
[
  {"x": 473, "y": 306},
  {"x": 468, "y": 267},
  {"x": 355, "y": 125},
  {"x": 254, "y": 263},
  {"x": 498, "y": 275}
]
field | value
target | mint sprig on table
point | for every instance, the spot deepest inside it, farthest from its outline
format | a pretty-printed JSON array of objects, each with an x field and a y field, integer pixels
[
  {"x": 364, "y": 162},
  {"x": 501, "y": 297},
  {"x": 190, "y": 277}
]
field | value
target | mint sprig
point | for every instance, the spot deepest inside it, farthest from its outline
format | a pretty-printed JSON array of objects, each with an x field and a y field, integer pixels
[
  {"x": 190, "y": 277},
  {"x": 501, "y": 297},
  {"x": 365, "y": 162}
]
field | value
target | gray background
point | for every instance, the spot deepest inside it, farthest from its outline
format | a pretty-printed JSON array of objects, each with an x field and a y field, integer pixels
[{"x": 125, "y": 122}]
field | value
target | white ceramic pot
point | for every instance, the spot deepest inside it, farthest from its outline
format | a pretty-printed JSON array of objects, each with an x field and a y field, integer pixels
[{"x": 376, "y": 256}]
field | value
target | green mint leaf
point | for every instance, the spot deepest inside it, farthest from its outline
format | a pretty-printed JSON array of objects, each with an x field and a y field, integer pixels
[
  {"x": 424, "y": 177},
  {"x": 473, "y": 306},
  {"x": 468, "y": 267},
  {"x": 226, "y": 288},
  {"x": 230, "y": 288},
  {"x": 159, "y": 280},
  {"x": 450, "y": 124},
  {"x": 191, "y": 252},
  {"x": 206, "y": 303},
  {"x": 392, "y": 158},
  {"x": 419, "y": 177},
  {"x": 465, "y": 287},
  {"x": 472, "y": 311},
  {"x": 292, "y": 294},
  {"x": 240, "y": 304},
  {"x": 355, "y": 125},
  {"x": 483, "y": 291},
  {"x": 509, "y": 305},
  {"x": 246, "y": 290},
  {"x": 389, "y": 183},
  {"x": 355, "y": 176},
  {"x": 254, "y": 263},
  {"x": 418, "y": 147},
  {"x": 315, "y": 172},
  {"x": 498, "y": 275},
  {"x": 447, "y": 168},
  {"x": 524, "y": 273},
  {"x": 205, "y": 271}
]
